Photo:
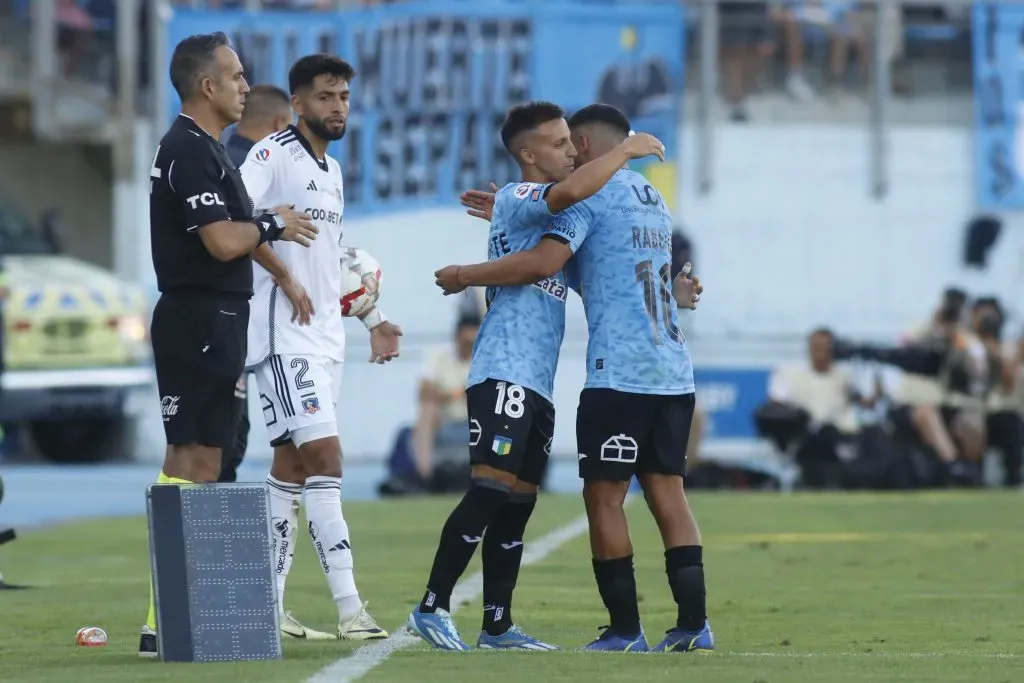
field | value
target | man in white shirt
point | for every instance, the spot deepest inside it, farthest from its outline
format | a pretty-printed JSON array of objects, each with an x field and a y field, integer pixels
[
  {"x": 442, "y": 399},
  {"x": 298, "y": 367},
  {"x": 825, "y": 392},
  {"x": 819, "y": 387}
]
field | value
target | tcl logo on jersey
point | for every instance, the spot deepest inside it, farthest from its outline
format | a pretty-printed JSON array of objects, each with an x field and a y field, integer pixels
[
  {"x": 322, "y": 215},
  {"x": 206, "y": 199},
  {"x": 552, "y": 287}
]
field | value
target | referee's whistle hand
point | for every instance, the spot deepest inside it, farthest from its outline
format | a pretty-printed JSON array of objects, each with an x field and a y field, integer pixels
[{"x": 298, "y": 226}]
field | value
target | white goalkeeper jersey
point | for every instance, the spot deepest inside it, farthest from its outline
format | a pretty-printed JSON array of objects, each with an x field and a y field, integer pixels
[{"x": 282, "y": 169}]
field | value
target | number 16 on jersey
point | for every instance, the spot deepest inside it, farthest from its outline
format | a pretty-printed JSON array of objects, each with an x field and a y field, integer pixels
[{"x": 658, "y": 299}]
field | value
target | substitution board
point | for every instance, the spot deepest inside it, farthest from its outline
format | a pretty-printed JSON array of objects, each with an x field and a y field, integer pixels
[{"x": 212, "y": 575}]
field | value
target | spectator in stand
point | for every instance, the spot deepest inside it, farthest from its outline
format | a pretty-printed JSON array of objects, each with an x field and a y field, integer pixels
[
  {"x": 744, "y": 46},
  {"x": 1004, "y": 424},
  {"x": 863, "y": 22},
  {"x": 441, "y": 418},
  {"x": 845, "y": 26},
  {"x": 825, "y": 394},
  {"x": 790, "y": 17},
  {"x": 430, "y": 456},
  {"x": 942, "y": 393}
]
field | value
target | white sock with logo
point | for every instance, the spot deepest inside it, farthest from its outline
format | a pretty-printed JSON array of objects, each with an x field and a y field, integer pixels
[
  {"x": 331, "y": 542},
  {"x": 284, "y": 522}
]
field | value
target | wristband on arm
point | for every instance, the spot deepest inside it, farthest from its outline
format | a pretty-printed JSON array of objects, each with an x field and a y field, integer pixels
[
  {"x": 373, "y": 318},
  {"x": 270, "y": 225}
]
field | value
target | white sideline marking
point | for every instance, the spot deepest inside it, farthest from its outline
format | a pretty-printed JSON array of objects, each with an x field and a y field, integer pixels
[
  {"x": 368, "y": 657},
  {"x": 966, "y": 654}
]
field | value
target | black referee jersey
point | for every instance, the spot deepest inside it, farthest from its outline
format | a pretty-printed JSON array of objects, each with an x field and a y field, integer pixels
[
  {"x": 199, "y": 324},
  {"x": 193, "y": 183}
]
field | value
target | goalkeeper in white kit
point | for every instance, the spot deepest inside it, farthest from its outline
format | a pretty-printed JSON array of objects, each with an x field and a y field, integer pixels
[{"x": 297, "y": 339}]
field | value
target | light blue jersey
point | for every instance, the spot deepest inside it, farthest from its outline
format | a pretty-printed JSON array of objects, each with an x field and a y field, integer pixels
[
  {"x": 522, "y": 332},
  {"x": 622, "y": 241}
]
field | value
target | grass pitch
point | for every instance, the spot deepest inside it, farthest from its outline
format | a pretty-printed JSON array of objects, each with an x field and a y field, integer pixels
[{"x": 826, "y": 588}]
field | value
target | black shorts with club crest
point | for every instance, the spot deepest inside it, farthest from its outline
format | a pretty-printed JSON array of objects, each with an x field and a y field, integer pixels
[
  {"x": 620, "y": 434},
  {"x": 510, "y": 429}
]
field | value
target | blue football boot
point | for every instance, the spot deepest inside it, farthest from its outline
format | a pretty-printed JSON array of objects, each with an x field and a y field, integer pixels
[
  {"x": 678, "y": 640},
  {"x": 609, "y": 641},
  {"x": 512, "y": 639},
  {"x": 437, "y": 629}
]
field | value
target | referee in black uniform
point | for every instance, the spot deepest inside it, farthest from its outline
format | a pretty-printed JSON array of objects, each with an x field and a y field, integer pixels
[{"x": 203, "y": 232}]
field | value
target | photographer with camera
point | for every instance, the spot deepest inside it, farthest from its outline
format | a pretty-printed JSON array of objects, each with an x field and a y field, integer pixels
[
  {"x": 952, "y": 422},
  {"x": 1004, "y": 423}
]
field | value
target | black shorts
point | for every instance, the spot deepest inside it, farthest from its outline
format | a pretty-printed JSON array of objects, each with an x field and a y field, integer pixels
[
  {"x": 199, "y": 347},
  {"x": 621, "y": 434},
  {"x": 510, "y": 429}
]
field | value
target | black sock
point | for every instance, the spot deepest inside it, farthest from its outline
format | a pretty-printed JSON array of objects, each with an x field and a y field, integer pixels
[
  {"x": 617, "y": 585},
  {"x": 459, "y": 538},
  {"x": 685, "y": 570},
  {"x": 502, "y": 556}
]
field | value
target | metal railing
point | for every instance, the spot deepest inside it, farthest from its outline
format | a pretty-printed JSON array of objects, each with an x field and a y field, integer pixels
[
  {"x": 807, "y": 54},
  {"x": 872, "y": 63}
]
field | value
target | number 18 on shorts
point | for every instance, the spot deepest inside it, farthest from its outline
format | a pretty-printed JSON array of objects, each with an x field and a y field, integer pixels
[{"x": 510, "y": 429}]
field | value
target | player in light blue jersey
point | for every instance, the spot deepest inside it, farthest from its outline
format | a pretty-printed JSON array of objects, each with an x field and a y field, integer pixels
[
  {"x": 637, "y": 405},
  {"x": 511, "y": 417}
]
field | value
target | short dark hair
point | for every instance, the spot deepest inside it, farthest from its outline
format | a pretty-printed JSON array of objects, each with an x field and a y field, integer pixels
[
  {"x": 993, "y": 303},
  {"x": 526, "y": 117},
  {"x": 304, "y": 71},
  {"x": 263, "y": 102},
  {"x": 192, "y": 58},
  {"x": 984, "y": 301},
  {"x": 954, "y": 296},
  {"x": 822, "y": 332},
  {"x": 604, "y": 114}
]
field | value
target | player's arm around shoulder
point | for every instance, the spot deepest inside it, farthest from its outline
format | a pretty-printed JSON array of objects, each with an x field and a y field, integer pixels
[
  {"x": 562, "y": 236},
  {"x": 591, "y": 177}
]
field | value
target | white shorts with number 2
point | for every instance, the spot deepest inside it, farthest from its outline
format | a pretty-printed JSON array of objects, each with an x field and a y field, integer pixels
[{"x": 298, "y": 395}]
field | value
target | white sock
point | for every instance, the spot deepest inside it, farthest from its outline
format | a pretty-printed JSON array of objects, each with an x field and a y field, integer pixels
[
  {"x": 284, "y": 521},
  {"x": 329, "y": 532}
]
